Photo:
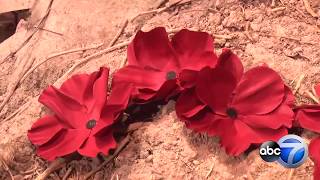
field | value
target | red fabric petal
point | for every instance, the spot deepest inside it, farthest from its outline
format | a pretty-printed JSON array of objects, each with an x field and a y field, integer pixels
[
  {"x": 152, "y": 49},
  {"x": 290, "y": 99},
  {"x": 99, "y": 143},
  {"x": 89, "y": 90},
  {"x": 308, "y": 117},
  {"x": 116, "y": 104},
  {"x": 237, "y": 136},
  {"x": 231, "y": 63},
  {"x": 64, "y": 143},
  {"x": 195, "y": 49},
  {"x": 188, "y": 78},
  {"x": 44, "y": 129},
  {"x": 214, "y": 88},
  {"x": 70, "y": 112},
  {"x": 142, "y": 78},
  {"x": 317, "y": 88},
  {"x": 260, "y": 91},
  {"x": 314, "y": 152},
  {"x": 188, "y": 104},
  {"x": 281, "y": 116}
]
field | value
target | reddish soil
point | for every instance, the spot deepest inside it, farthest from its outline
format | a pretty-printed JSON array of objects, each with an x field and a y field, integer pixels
[{"x": 287, "y": 39}]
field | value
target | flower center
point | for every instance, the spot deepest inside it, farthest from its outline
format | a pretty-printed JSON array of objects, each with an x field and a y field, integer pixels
[
  {"x": 232, "y": 113},
  {"x": 171, "y": 75},
  {"x": 91, "y": 123}
]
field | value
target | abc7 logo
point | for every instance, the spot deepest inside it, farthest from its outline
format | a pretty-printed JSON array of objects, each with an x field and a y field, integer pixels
[{"x": 290, "y": 151}]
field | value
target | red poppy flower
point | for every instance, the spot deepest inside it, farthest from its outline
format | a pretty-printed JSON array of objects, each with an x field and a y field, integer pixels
[
  {"x": 308, "y": 116},
  {"x": 82, "y": 117},
  {"x": 157, "y": 65},
  {"x": 314, "y": 152},
  {"x": 241, "y": 108}
]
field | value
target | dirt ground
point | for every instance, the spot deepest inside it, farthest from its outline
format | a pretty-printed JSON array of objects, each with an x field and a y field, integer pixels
[{"x": 282, "y": 34}]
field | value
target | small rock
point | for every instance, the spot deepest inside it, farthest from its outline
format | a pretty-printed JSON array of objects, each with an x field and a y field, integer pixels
[
  {"x": 149, "y": 159},
  {"x": 195, "y": 162}
]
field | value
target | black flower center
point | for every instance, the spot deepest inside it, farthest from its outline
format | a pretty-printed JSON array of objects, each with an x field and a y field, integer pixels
[
  {"x": 91, "y": 123},
  {"x": 171, "y": 75},
  {"x": 232, "y": 113}
]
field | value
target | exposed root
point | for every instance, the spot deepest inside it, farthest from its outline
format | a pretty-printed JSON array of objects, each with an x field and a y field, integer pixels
[
  {"x": 47, "y": 30},
  {"x": 114, "y": 40},
  {"x": 55, "y": 165},
  {"x": 86, "y": 59},
  {"x": 6, "y": 168},
  {"x": 56, "y": 55},
  {"x": 309, "y": 9},
  {"x": 312, "y": 96},
  {"x": 37, "y": 28},
  {"x": 12, "y": 87},
  {"x": 298, "y": 85},
  {"x": 65, "y": 177},
  {"x": 159, "y": 10},
  {"x": 121, "y": 146},
  {"x": 21, "y": 109},
  {"x": 210, "y": 172},
  {"x": 290, "y": 175}
]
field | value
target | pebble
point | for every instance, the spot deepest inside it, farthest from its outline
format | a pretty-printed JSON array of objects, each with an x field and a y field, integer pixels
[
  {"x": 195, "y": 162},
  {"x": 149, "y": 159}
]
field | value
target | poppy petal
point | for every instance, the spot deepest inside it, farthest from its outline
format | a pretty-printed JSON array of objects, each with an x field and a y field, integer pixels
[
  {"x": 314, "y": 151},
  {"x": 195, "y": 49},
  {"x": 117, "y": 102},
  {"x": 69, "y": 112},
  {"x": 308, "y": 117},
  {"x": 152, "y": 49},
  {"x": 188, "y": 78},
  {"x": 290, "y": 99},
  {"x": 231, "y": 62},
  {"x": 282, "y": 116},
  {"x": 238, "y": 137},
  {"x": 214, "y": 88},
  {"x": 44, "y": 129},
  {"x": 188, "y": 104},
  {"x": 142, "y": 78},
  {"x": 317, "y": 88},
  {"x": 260, "y": 91},
  {"x": 98, "y": 143},
  {"x": 89, "y": 90},
  {"x": 65, "y": 142}
]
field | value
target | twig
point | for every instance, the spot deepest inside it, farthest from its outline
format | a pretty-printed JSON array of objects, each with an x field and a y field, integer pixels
[
  {"x": 65, "y": 177},
  {"x": 41, "y": 23},
  {"x": 15, "y": 84},
  {"x": 55, "y": 165},
  {"x": 278, "y": 9},
  {"x": 114, "y": 40},
  {"x": 314, "y": 90},
  {"x": 309, "y": 9},
  {"x": 250, "y": 176},
  {"x": 21, "y": 109},
  {"x": 86, "y": 59},
  {"x": 121, "y": 146},
  {"x": 298, "y": 85},
  {"x": 159, "y": 10},
  {"x": 290, "y": 175},
  {"x": 247, "y": 33},
  {"x": 56, "y": 55},
  {"x": 6, "y": 168},
  {"x": 219, "y": 36},
  {"x": 312, "y": 96},
  {"x": 210, "y": 172},
  {"x": 43, "y": 29},
  {"x": 148, "y": 12}
]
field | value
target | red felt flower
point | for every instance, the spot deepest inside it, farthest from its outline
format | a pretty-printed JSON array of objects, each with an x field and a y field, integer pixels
[
  {"x": 314, "y": 152},
  {"x": 308, "y": 116},
  {"x": 83, "y": 116},
  {"x": 157, "y": 65},
  {"x": 241, "y": 108}
]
